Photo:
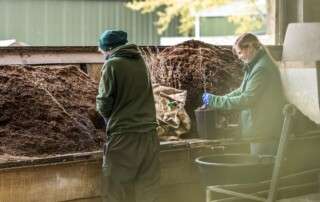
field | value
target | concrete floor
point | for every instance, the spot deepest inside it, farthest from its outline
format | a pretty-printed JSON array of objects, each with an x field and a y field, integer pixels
[
  {"x": 98, "y": 199},
  {"x": 306, "y": 198}
]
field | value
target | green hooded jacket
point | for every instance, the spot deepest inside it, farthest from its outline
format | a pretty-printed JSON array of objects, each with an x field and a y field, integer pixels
[
  {"x": 260, "y": 98},
  {"x": 125, "y": 95}
]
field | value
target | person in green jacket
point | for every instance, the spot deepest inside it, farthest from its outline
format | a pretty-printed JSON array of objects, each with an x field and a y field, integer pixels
[
  {"x": 260, "y": 98},
  {"x": 125, "y": 100}
]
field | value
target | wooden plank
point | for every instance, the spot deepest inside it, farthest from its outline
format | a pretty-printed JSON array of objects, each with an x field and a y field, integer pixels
[
  {"x": 33, "y": 55},
  {"x": 50, "y": 58},
  {"x": 94, "y": 71},
  {"x": 72, "y": 180},
  {"x": 59, "y": 182},
  {"x": 9, "y": 161},
  {"x": 13, "y": 162}
]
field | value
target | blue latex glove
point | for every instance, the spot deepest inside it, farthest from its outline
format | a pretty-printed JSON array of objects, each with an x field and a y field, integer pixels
[{"x": 206, "y": 97}]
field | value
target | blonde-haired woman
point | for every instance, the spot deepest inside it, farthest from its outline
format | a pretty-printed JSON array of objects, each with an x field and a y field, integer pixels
[{"x": 260, "y": 97}]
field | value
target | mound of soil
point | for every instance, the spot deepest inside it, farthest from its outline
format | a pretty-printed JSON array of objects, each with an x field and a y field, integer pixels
[
  {"x": 196, "y": 66},
  {"x": 45, "y": 110}
]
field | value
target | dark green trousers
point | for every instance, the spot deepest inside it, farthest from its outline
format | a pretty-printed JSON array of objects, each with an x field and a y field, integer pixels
[{"x": 131, "y": 170}]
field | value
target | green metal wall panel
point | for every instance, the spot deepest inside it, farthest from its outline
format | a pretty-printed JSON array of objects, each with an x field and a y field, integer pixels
[
  {"x": 35, "y": 24},
  {"x": 75, "y": 22}
]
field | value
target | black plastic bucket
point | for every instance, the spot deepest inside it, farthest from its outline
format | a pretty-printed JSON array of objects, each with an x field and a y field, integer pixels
[
  {"x": 234, "y": 168},
  {"x": 206, "y": 123}
]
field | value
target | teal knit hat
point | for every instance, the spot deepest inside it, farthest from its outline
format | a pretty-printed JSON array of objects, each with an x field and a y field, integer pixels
[{"x": 110, "y": 39}]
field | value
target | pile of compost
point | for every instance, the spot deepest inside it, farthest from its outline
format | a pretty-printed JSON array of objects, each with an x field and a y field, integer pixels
[
  {"x": 196, "y": 66},
  {"x": 45, "y": 111}
]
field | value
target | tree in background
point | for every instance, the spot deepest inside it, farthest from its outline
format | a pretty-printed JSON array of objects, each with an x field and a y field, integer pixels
[
  {"x": 167, "y": 10},
  {"x": 247, "y": 23}
]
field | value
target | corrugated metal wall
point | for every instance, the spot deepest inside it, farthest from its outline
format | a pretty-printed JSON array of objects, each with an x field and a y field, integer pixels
[{"x": 74, "y": 22}]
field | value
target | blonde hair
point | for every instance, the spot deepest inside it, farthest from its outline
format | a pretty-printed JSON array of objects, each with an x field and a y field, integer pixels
[{"x": 245, "y": 40}]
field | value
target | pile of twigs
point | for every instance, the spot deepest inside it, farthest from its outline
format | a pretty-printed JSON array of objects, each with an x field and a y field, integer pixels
[{"x": 196, "y": 67}]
